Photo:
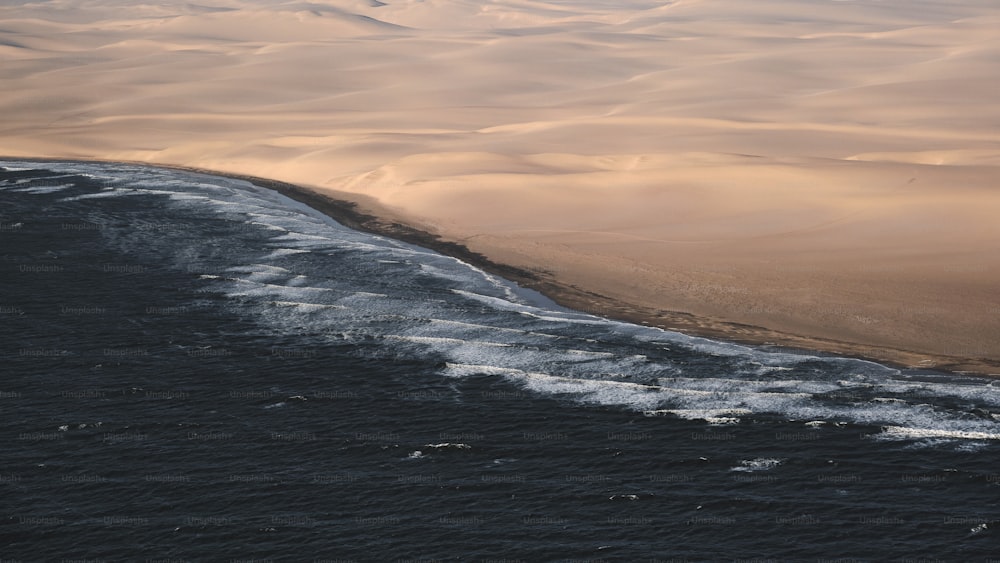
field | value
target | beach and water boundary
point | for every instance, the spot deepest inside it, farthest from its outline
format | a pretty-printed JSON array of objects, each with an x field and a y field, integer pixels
[
  {"x": 825, "y": 180},
  {"x": 366, "y": 215}
]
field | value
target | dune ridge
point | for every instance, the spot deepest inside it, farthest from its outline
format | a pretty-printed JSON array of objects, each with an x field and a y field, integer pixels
[{"x": 819, "y": 170}]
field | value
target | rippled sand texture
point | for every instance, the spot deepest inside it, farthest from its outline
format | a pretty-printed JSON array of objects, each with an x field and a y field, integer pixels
[{"x": 824, "y": 169}]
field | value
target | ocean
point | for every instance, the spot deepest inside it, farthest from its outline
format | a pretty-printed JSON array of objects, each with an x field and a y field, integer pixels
[{"x": 200, "y": 369}]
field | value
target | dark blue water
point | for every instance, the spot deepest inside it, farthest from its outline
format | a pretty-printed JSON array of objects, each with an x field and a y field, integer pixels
[{"x": 195, "y": 368}]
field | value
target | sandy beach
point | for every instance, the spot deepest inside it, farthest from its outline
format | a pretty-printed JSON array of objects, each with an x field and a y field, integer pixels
[{"x": 811, "y": 174}]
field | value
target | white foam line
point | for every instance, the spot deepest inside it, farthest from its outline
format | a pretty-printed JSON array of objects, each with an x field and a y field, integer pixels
[
  {"x": 180, "y": 196},
  {"x": 902, "y": 432},
  {"x": 581, "y": 318},
  {"x": 259, "y": 268},
  {"x": 110, "y": 192},
  {"x": 988, "y": 393},
  {"x": 267, "y": 226},
  {"x": 376, "y": 248},
  {"x": 731, "y": 395},
  {"x": 759, "y": 464},
  {"x": 41, "y": 189},
  {"x": 696, "y": 414},
  {"x": 724, "y": 384},
  {"x": 279, "y": 287},
  {"x": 496, "y": 302},
  {"x": 291, "y": 236},
  {"x": 303, "y": 305},
  {"x": 587, "y": 384},
  {"x": 603, "y": 392},
  {"x": 490, "y": 328},
  {"x": 283, "y": 252},
  {"x": 632, "y": 358},
  {"x": 45, "y": 177},
  {"x": 453, "y": 369},
  {"x": 449, "y": 341},
  {"x": 264, "y": 290}
]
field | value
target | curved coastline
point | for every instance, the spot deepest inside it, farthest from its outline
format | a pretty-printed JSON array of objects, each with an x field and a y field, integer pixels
[{"x": 367, "y": 216}]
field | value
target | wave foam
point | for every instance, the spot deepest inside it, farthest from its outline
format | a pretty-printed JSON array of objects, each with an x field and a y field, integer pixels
[
  {"x": 904, "y": 433},
  {"x": 759, "y": 464},
  {"x": 410, "y": 302}
]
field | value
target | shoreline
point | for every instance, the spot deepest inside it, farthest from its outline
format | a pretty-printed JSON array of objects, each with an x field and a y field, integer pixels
[{"x": 371, "y": 218}]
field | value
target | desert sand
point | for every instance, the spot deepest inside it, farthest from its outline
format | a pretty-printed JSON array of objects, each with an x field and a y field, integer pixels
[{"x": 803, "y": 172}]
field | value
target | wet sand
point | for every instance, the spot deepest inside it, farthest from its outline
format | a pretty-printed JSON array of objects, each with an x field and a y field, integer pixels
[{"x": 368, "y": 217}]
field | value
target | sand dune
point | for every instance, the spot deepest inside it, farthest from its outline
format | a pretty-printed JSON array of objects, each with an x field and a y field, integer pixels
[{"x": 823, "y": 169}]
